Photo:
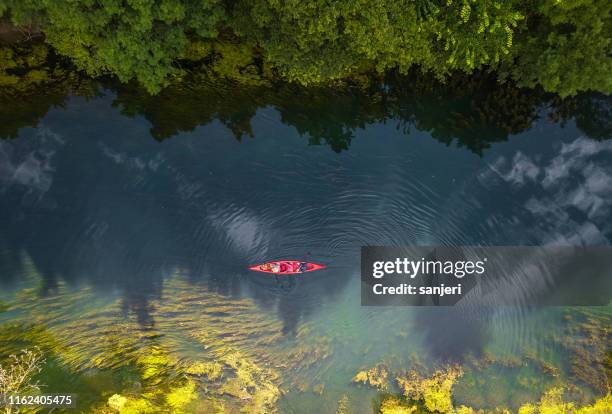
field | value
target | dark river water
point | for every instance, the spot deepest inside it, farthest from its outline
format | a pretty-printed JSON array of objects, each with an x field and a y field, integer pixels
[{"x": 111, "y": 237}]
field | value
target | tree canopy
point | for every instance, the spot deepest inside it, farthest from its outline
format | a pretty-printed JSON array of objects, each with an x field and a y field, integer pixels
[{"x": 561, "y": 45}]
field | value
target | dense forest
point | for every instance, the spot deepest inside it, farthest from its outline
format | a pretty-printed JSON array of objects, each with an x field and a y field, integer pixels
[{"x": 562, "y": 46}]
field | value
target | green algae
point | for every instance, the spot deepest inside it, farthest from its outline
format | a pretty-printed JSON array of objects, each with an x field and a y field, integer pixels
[
  {"x": 343, "y": 405},
  {"x": 377, "y": 377},
  {"x": 435, "y": 392},
  {"x": 212, "y": 370},
  {"x": 180, "y": 398},
  {"x": 395, "y": 405},
  {"x": 552, "y": 403},
  {"x": 251, "y": 384},
  {"x": 165, "y": 380},
  {"x": 502, "y": 382},
  {"x": 588, "y": 339}
]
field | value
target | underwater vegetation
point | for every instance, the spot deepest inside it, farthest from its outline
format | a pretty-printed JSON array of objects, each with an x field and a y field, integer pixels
[
  {"x": 152, "y": 367},
  {"x": 200, "y": 351},
  {"x": 588, "y": 339},
  {"x": 395, "y": 405},
  {"x": 377, "y": 377},
  {"x": 434, "y": 394},
  {"x": 435, "y": 391},
  {"x": 342, "y": 405}
]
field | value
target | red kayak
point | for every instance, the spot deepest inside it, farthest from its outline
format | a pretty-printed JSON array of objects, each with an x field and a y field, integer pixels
[{"x": 286, "y": 267}]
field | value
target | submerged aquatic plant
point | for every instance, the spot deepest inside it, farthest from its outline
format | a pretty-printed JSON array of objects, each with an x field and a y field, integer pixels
[
  {"x": 150, "y": 369},
  {"x": 211, "y": 370},
  {"x": 206, "y": 352},
  {"x": 16, "y": 376},
  {"x": 588, "y": 338},
  {"x": 435, "y": 392},
  {"x": 394, "y": 405},
  {"x": 377, "y": 377},
  {"x": 343, "y": 405},
  {"x": 434, "y": 395},
  {"x": 552, "y": 403}
]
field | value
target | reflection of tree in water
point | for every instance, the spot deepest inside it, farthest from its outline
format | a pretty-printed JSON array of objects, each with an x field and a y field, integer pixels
[
  {"x": 450, "y": 330},
  {"x": 283, "y": 293},
  {"x": 110, "y": 244},
  {"x": 451, "y": 335},
  {"x": 32, "y": 81},
  {"x": 592, "y": 113},
  {"x": 290, "y": 297},
  {"x": 284, "y": 285},
  {"x": 182, "y": 107},
  {"x": 472, "y": 111}
]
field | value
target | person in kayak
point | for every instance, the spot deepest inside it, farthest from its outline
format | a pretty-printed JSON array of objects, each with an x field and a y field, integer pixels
[
  {"x": 270, "y": 267},
  {"x": 290, "y": 267}
]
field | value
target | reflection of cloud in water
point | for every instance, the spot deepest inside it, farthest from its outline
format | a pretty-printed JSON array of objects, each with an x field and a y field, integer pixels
[
  {"x": 243, "y": 231},
  {"x": 563, "y": 198},
  {"x": 29, "y": 168},
  {"x": 574, "y": 197},
  {"x": 573, "y": 157},
  {"x": 122, "y": 158},
  {"x": 523, "y": 169}
]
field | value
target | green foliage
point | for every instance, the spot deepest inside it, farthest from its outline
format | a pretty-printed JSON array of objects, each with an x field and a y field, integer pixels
[
  {"x": 227, "y": 60},
  {"x": 566, "y": 48},
  {"x": 311, "y": 42},
  {"x": 330, "y": 40},
  {"x": 472, "y": 34},
  {"x": 562, "y": 45},
  {"x": 130, "y": 39}
]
